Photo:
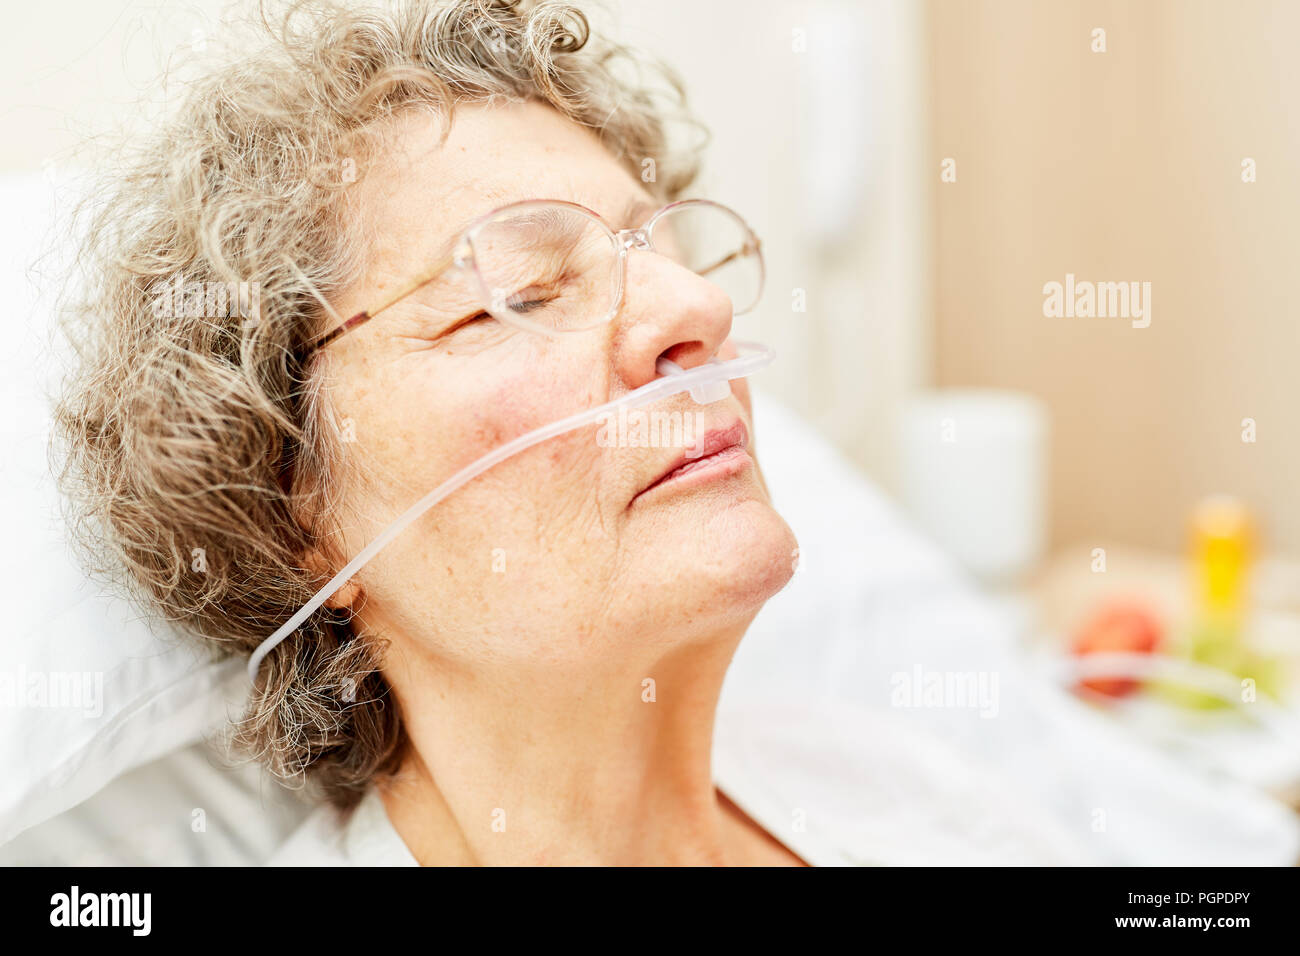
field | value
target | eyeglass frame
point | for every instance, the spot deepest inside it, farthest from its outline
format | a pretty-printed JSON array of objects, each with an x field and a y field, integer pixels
[{"x": 462, "y": 257}]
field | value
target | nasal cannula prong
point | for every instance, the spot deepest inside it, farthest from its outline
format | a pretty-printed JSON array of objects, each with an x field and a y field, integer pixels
[{"x": 706, "y": 383}]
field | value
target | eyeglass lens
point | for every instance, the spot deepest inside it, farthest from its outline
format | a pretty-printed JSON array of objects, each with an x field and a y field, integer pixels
[{"x": 554, "y": 267}]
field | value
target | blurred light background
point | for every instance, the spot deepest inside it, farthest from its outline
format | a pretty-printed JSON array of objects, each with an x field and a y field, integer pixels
[{"x": 918, "y": 172}]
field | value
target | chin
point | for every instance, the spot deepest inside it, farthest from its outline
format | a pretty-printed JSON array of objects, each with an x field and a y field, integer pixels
[{"x": 733, "y": 559}]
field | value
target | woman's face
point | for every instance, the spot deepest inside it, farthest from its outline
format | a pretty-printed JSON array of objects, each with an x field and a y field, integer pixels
[{"x": 565, "y": 553}]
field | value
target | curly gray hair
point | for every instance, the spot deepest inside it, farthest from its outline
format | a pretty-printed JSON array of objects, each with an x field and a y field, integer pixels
[{"x": 195, "y": 427}]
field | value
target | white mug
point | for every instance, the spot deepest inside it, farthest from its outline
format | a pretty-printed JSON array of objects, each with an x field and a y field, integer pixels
[{"x": 974, "y": 477}]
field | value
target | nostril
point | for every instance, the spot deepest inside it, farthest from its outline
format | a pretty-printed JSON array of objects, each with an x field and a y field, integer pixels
[
  {"x": 688, "y": 354},
  {"x": 666, "y": 366}
]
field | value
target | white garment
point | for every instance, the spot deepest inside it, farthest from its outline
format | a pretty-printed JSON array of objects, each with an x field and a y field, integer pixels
[
  {"x": 365, "y": 838},
  {"x": 839, "y": 785}
]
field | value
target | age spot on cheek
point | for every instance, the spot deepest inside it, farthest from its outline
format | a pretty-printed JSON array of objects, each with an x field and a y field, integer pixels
[{"x": 488, "y": 432}]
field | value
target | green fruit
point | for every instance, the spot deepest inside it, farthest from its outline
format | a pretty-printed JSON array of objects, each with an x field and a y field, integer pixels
[{"x": 1219, "y": 645}]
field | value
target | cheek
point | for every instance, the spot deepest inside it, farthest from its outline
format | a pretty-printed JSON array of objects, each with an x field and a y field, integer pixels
[
  {"x": 419, "y": 428},
  {"x": 513, "y": 405},
  {"x": 556, "y": 480}
]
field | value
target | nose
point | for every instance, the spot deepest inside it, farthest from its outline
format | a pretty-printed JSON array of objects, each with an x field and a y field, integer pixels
[{"x": 667, "y": 311}]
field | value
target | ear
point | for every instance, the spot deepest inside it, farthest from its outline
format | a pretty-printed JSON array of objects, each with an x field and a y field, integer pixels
[
  {"x": 317, "y": 562},
  {"x": 345, "y": 597}
]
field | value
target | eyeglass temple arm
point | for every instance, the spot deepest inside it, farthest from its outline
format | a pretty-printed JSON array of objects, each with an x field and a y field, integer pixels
[
  {"x": 749, "y": 247},
  {"x": 424, "y": 278}
]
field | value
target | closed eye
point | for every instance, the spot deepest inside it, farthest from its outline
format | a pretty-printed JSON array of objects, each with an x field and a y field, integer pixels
[
  {"x": 436, "y": 332},
  {"x": 468, "y": 320}
]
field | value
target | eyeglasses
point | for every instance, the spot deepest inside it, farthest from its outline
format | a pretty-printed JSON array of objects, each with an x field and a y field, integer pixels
[{"x": 551, "y": 266}]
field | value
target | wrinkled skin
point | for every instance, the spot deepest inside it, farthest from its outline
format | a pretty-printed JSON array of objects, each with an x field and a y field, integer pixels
[{"x": 525, "y": 612}]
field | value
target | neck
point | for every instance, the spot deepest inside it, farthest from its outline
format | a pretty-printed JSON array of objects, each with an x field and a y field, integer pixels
[{"x": 549, "y": 766}]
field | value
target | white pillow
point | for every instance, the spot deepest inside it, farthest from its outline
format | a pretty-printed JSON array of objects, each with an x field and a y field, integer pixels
[{"x": 88, "y": 690}]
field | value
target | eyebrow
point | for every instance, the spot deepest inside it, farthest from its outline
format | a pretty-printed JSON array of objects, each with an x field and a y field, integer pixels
[
  {"x": 545, "y": 223},
  {"x": 635, "y": 212}
]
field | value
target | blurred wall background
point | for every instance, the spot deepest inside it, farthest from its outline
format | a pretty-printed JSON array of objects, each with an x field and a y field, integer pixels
[
  {"x": 1115, "y": 166},
  {"x": 831, "y": 119},
  {"x": 819, "y": 119}
]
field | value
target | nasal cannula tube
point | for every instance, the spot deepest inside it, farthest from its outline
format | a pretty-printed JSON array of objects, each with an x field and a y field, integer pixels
[{"x": 706, "y": 383}]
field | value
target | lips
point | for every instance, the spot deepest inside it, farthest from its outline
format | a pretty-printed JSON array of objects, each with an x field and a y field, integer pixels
[{"x": 722, "y": 451}]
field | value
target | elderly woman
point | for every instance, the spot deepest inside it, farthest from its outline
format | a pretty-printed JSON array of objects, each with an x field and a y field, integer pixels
[{"x": 357, "y": 260}]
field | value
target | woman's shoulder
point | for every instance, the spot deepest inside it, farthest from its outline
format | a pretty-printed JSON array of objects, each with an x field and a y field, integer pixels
[{"x": 330, "y": 837}]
